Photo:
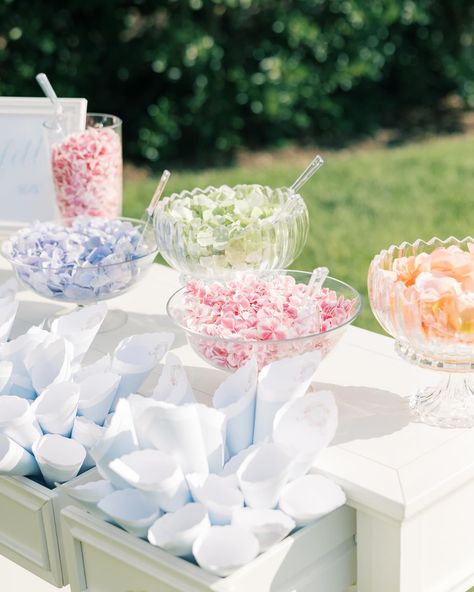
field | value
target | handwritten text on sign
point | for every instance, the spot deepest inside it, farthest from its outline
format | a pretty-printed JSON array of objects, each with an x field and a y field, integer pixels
[{"x": 26, "y": 187}]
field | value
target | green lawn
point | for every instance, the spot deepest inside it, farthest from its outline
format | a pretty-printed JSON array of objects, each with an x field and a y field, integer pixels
[{"x": 360, "y": 202}]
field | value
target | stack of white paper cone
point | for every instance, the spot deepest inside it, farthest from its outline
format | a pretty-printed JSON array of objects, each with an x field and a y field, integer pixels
[
  {"x": 51, "y": 406},
  {"x": 218, "y": 484}
]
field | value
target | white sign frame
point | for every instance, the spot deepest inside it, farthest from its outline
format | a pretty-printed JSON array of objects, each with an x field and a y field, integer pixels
[{"x": 26, "y": 187}]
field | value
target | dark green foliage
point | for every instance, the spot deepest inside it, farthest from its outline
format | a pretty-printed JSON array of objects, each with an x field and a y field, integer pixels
[{"x": 196, "y": 79}]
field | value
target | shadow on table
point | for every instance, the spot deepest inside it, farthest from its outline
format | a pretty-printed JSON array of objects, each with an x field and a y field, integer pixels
[
  {"x": 205, "y": 379},
  {"x": 5, "y": 274},
  {"x": 33, "y": 313},
  {"x": 139, "y": 323},
  {"x": 366, "y": 413}
]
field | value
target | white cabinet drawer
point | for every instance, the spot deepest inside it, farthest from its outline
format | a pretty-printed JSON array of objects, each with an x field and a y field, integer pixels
[
  {"x": 30, "y": 533},
  {"x": 103, "y": 558}
]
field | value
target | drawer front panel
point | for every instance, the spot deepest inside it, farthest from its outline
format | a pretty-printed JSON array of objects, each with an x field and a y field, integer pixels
[
  {"x": 28, "y": 528},
  {"x": 104, "y": 558}
]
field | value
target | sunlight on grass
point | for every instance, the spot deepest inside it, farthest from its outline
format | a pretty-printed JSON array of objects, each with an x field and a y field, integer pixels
[{"x": 360, "y": 202}]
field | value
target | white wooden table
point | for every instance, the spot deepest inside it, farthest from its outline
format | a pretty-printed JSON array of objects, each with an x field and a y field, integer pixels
[{"x": 412, "y": 485}]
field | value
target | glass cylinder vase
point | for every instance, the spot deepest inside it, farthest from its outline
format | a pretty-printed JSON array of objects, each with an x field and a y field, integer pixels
[{"x": 87, "y": 166}]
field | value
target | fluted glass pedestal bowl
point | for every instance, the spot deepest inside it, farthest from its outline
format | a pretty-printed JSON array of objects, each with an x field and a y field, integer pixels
[
  {"x": 269, "y": 315},
  {"x": 423, "y": 295},
  {"x": 209, "y": 232},
  {"x": 82, "y": 260}
]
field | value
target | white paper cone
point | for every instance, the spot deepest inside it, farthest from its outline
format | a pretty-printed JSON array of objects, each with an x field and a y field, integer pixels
[
  {"x": 18, "y": 422},
  {"x": 217, "y": 494},
  {"x": 80, "y": 328},
  {"x": 303, "y": 427},
  {"x": 176, "y": 532},
  {"x": 88, "y": 433},
  {"x": 235, "y": 462},
  {"x": 15, "y": 460},
  {"x": 131, "y": 510},
  {"x": 101, "y": 365},
  {"x": 49, "y": 362},
  {"x": 156, "y": 474},
  {"x": 17, "y": 351},
  {"x": 97, "y": 393},
  {"x": 213, "y": 427},
  {"x": 139, "y": 405},
  {"x": 91, "y": 493},
  {"x": 278, "y": 383},
  {"x": 177, "y": 431},
  {"x": 269, "y": 526},
  {"x": 173, "y": 385},
  {"x": 135, "y": 357},
  {"x": 263, "y": 474},
  {"x": 119, "y": 439},
  {"x": 7, "y": 316},
  {"x": 142, "y": 416},
  {"x": 56, "y": 408},
  {"x": 311, "y": 497},
  {"x": 108, "y": 419},
  {"x": 60, "y": 459},
  {"x": 223, "y": 549},
  {"x": 6, "y": 370},
  {"x": 235, "y": 397}
]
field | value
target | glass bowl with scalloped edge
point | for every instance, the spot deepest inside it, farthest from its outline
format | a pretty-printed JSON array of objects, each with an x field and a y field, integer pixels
[
  {"x": 422, "y": 294},
  {"x": 217, "y": 230}
]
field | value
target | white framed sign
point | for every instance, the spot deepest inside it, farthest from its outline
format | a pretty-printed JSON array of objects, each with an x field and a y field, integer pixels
[{"x": 26, "y": 187}]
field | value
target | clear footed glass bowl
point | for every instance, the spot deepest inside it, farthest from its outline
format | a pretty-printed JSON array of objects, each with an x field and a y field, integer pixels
[
  {"x": 262, "y": 228},
  {"x": 422, "y": 294},
  {"x": 230, "y": 353},
  {"x": 86, "y": 284}
]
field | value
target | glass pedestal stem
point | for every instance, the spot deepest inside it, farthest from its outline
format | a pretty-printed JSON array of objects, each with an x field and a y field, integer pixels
[
  {"x": 450, "y": 403},
  {"x": 115, "y": 318}
]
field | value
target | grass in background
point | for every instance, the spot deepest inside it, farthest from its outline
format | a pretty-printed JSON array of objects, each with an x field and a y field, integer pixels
[{"x": 359, "y": 203}]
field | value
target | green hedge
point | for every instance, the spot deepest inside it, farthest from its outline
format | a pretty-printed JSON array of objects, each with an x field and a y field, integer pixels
[{"x": 196, "y": 79}]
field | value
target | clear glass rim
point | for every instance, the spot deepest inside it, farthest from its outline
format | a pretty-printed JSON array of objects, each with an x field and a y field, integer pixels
[
  {"x": 117, "y": 122},
  {"x": 50, "y": 123},
  {"x": 15, "y": 263},
  {"x": 298, "y": 210},
  {"x": 196, "y": 190},
  {"x": 415, "y": 245},
  {"x": 206, "y": 190},
  {"x": 356, "y": 296}
]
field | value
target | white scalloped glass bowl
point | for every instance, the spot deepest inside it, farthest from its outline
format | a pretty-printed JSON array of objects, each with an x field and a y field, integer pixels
[
  {"x": 273, "y": 242},
  {"x": 428, "y": 332},
  {"x": 232, "y": 353}
]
